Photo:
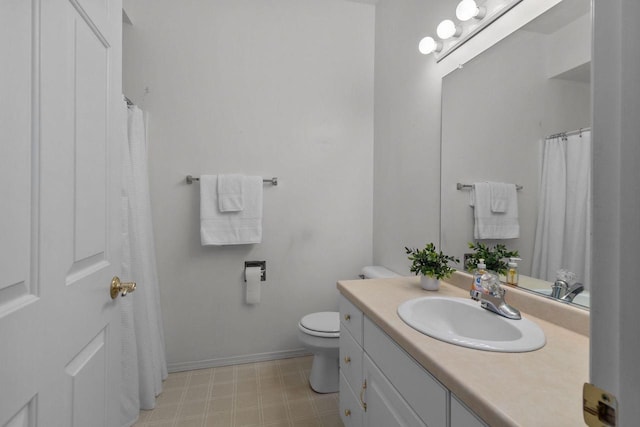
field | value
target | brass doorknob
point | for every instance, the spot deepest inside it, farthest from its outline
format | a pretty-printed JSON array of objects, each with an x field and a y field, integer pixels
[{"x": 118, "y": 287}]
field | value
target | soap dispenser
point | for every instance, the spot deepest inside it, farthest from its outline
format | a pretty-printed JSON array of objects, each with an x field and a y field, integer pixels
[
  {"x": 512, "y": 271},
  {"x": 476, "y": 286}
]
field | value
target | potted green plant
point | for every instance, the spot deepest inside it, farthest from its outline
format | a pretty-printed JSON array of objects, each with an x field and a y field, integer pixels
[
  {"x": 495, "y": 258},
  {"x": 431, "y": 265}
]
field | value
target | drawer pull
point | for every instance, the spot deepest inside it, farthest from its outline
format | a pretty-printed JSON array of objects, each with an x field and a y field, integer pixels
[
  {"x": 347, "y": 359},
  {"x": 347, "y": 412},
  {"x": 347, "y": 317},
  {"x": 362, "y": 390}
]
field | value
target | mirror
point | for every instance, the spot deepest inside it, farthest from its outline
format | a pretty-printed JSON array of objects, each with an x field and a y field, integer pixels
[{"x": 497, "y": 111}]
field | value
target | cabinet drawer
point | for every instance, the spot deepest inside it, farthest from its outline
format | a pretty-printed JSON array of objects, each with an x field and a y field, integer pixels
[
  {"x": 351, "y": 318},
  {"x": 461, "y": 416},
  {"x": 421, "y": 390},
  {"x": 350, "y": 409},
  {"x": 350, "y": 359}
]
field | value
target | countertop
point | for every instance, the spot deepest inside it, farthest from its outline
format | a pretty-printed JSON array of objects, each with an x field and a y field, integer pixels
[{"x": 538, "y": 389}]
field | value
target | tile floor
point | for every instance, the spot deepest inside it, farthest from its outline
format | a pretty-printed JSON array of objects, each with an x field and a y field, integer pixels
[{"x": 264, "y": 394}]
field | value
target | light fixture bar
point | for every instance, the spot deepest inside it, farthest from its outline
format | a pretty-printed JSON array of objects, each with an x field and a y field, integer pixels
[{"x": 473, "y": 19}]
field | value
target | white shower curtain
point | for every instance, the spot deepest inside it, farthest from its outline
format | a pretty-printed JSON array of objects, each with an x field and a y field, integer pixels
[
  {"x": 564, "y": 209},
  {"x": 144, "y": 364}
]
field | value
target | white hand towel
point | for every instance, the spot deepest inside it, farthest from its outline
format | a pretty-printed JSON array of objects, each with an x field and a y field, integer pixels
[
  {"x": 492, "y": 225},
  {"x": 500, "y": 194},
  {"x": 230, "y": 228},
  {"x": 230, "y": 193}
]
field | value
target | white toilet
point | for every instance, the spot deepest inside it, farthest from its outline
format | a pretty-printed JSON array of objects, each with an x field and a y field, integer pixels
[{"x": 320, "y": 334}]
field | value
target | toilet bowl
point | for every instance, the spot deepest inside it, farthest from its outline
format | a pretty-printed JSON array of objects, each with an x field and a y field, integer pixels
[{"x": 320, "y": 334}]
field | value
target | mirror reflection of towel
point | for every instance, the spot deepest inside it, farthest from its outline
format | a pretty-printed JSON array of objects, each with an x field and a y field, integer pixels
[{"x": 494, "y": 225}]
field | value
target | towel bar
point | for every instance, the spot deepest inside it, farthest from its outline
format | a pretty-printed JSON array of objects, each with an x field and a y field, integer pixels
[
  {"x": 460, "y": 186},
  {"x": 272, "y": 181}
]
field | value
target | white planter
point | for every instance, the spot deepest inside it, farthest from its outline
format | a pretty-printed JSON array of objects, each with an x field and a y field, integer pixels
[{"x": 429, "y": 283}]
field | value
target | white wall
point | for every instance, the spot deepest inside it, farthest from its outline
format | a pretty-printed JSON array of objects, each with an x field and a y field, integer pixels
[
  {"x": 274, "y": 88},
  {"x": 407, "y": 131}
]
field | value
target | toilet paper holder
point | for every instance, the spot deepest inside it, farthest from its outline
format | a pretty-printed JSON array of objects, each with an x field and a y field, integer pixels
[{"x": 261, "y": 264}]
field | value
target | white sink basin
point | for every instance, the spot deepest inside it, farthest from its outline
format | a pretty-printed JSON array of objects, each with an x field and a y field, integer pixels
[{"x": 463, "y": 322}]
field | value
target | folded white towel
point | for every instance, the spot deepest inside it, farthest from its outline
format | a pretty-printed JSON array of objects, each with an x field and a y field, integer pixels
[
  {"x": 501, "y": 192},
  {"x": 492, "y": 225},
  {"x": 230, "y": 228},
  {"x": 230, "y": 193}
]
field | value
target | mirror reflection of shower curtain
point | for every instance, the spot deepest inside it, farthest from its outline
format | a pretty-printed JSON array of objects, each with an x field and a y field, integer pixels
[{"x": 564, "y": 209}]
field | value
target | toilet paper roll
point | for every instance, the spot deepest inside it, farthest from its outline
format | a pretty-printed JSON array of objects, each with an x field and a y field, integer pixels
[{"x": 253, "y": 275}]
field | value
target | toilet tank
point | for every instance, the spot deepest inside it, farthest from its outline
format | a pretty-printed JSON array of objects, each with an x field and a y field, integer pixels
[{"x": 377, "y": 272}]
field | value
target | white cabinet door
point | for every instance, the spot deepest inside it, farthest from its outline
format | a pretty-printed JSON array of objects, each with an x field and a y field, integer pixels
[
  {"x": 60, "y": 120},
  {"x": 350, "y": 409},
  {"x": 385, "y": 407},
  {"x": 350, "y": 359},
  {"x": 461, "y": 416},
  {"x": 425, "y": 394}
]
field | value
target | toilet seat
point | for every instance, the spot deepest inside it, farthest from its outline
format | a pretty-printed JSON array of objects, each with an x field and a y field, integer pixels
[{"x": 324, "y": 324}]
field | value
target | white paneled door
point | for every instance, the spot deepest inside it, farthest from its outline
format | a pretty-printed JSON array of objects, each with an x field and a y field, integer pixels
[{"x": 60, "y": 121}]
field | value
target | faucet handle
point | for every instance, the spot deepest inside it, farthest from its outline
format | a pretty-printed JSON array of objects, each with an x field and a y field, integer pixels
[{"x": 497, "y": 291}]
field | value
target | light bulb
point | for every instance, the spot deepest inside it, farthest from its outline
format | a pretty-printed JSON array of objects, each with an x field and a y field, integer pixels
[
  {"x": 428, "y": 45},
  {"x": 468, "y": 9},
  {"x": 447, "y": 29}
]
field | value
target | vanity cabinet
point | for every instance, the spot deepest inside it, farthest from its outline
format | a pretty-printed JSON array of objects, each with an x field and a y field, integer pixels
[{"x": 381, "y": 385}]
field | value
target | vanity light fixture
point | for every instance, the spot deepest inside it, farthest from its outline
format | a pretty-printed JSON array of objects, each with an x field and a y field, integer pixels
[
  {"x": 447, "y": 29},
  {"x": 472, "y": 17},
  {"x": 468, "y": 9},
  {"x": 429, "y": 45}
]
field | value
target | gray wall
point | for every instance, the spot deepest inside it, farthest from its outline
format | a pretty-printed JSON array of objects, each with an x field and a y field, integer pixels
[
  {"x": 279, "y": 88},
  {"x": 407, "y": 131}
]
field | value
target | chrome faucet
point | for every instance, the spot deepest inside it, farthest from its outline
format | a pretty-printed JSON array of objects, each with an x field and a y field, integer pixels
[
  {"x": 559, "y": 288},
  {"x": 494, "y": 301},
  {"x": 562, "y": 291},
  {"x": 572, "y": 291}
]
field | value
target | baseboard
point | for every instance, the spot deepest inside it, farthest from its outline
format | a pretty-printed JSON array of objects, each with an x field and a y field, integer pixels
[{"x": 236, "y": 360}]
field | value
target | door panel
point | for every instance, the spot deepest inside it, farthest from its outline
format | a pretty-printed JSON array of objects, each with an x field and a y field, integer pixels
[
  {"x": 18, "y": 288},
  {"x": 15, "y": 162},
  {"x": 91, "y": 87},
  {"x": 86, "y": 382},
  {"x": 25, "y": 416},
  {"x": 98, "y": 10}
]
